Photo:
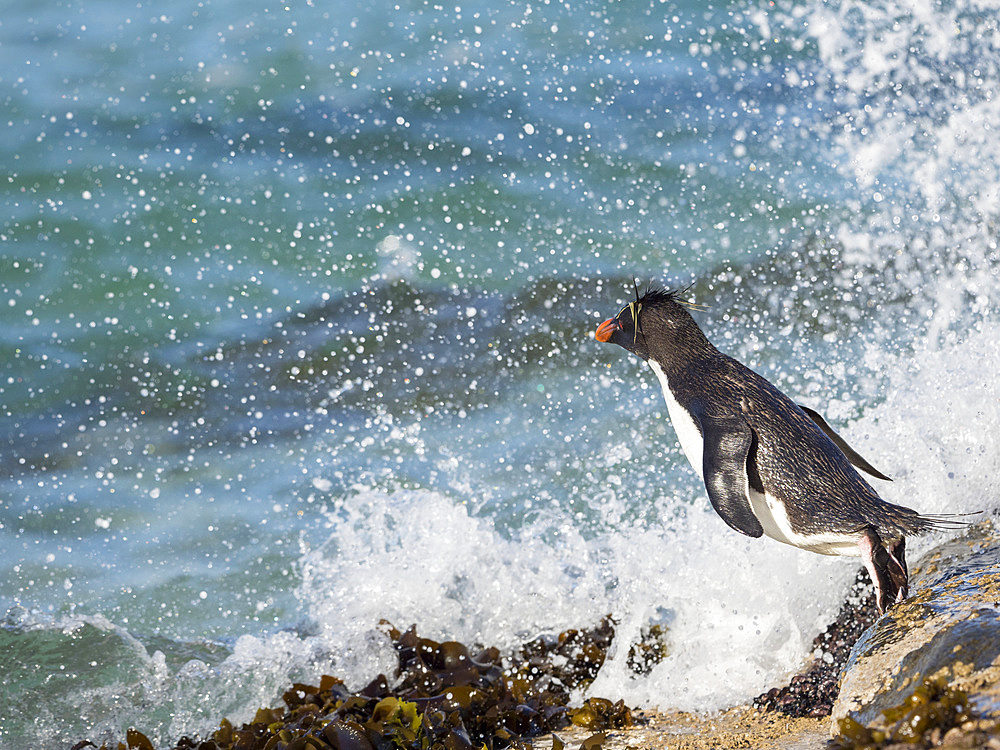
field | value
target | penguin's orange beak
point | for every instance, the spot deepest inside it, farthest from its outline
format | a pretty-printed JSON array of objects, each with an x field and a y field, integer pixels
[{"x": 606, "y": 329}]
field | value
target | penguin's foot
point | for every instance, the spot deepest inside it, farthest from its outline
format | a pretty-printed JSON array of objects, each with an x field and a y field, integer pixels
[
  {"x": 900, "y": 576},
  {"x": 887, "y": 568}
]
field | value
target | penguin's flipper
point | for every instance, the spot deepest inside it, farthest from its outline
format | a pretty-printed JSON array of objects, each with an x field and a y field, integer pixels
[
  {"x": 727, "y": 442},
  {"x": 852, "y": 455}
]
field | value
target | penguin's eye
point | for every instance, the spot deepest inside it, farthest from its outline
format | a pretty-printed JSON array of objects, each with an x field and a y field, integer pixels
[{"x": 633, "y": 309}]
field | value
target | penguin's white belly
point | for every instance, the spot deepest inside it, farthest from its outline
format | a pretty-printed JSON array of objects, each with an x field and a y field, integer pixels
[
  {"x": 769, "y": 511},
  {"x": 687, "y": 431},
  {"x": 774, "y": 520}
]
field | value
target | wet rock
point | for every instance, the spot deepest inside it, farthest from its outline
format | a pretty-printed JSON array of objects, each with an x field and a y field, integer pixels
[{"x": 946, "y": 633}]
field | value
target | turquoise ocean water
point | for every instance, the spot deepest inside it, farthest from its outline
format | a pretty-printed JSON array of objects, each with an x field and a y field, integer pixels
[{"x": 298, "y": 302}]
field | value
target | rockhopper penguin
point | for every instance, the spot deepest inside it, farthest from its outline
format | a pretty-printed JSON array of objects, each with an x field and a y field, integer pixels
[{"x": 770, "y": 466}]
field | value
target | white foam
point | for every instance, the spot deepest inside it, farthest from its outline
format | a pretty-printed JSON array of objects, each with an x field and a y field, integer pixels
[
  {"x": 740, "y": 612},
  {"x": 937, "y": 429},
  {"x": 420, "y": 557},
  {"x": 743, "y": 611}
]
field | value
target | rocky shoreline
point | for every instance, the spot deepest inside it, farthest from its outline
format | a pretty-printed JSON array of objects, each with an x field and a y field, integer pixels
[{"x": 926, "y": 674}]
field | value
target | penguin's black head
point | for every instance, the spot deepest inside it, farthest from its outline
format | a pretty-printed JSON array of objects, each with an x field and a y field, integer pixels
[{"x": 656, "y": 325}]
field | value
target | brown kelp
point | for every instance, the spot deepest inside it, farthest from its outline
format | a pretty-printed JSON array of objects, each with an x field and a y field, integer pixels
[
  {"x": 443, "y": 696},
  {"x": 936, "y": 714}
]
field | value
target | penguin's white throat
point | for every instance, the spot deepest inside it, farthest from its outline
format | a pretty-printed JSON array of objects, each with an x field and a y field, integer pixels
[{"x": 684, "y": 424}]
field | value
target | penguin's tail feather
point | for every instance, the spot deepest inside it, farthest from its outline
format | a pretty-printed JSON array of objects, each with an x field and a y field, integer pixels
[{"x": 918, "y": 523}]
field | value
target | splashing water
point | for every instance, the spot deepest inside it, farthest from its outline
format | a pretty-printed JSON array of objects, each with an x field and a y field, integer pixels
[{"x": 297, "y": 331}]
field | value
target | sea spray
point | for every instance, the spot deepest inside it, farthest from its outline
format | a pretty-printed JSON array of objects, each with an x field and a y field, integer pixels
[
  {"x": 180, "y": 412},
  {"x": 420, "y": 557}
]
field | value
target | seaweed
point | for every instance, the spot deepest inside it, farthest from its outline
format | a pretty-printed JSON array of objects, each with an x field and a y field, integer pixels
[
  {"x": 935, "y": 714},
  {"x": 649, "y": 651},
  {"x": 443, "y": 696}
]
